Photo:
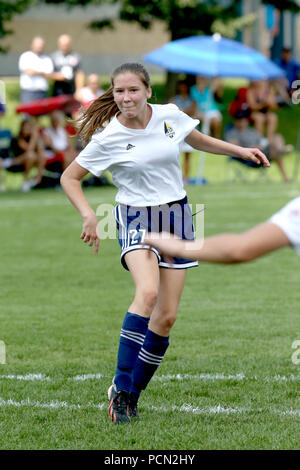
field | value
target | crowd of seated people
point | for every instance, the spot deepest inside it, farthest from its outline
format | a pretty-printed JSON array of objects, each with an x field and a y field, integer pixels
[
  {"x": 253, "y": 112},
  {"x": 36, "y": 148},
  {"x": 26, "y": 152}
]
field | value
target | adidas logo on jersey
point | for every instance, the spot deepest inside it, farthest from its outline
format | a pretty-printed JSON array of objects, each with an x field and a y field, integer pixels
[
  {"x": 168, "y": 130},
  {"x": 129, "y": 146}
]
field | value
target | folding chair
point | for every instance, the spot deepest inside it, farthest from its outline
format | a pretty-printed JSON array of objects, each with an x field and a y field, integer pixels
[{"x": 244, "y": 171}]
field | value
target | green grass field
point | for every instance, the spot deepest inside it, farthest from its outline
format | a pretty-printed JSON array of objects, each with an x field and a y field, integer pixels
[{"x": 228, "y": 380}]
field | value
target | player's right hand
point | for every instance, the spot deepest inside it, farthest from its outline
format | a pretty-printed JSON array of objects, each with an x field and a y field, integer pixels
[{"x": 89, "y": 232}]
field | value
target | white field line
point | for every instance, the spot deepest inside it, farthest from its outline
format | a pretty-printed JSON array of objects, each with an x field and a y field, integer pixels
[
  {"x": 83, "y": 378},
  {"x": 52, "y": 404},
  {"x": 203, "y": 377},
  {"x": 47, "y": 202},
  {"x": 27, "y": 377},
  {"x": 161, "y": 378},
  {"x": 95, "y": 200},
  {"x": 185, "y": 408},
  {"x": 221, "y": 376}
]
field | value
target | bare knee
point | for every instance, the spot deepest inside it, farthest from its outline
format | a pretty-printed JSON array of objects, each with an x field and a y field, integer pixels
[
  {"x": 258, "y": 118},
  {"x": 241, "y": 254},
  {"x": 169, "y": 320},
  {"x": 272, "y": 118},
  {"x": 164, "y": 321},
  {"x": 31, "y": 157},
  {"x": 147, "y": 297}
]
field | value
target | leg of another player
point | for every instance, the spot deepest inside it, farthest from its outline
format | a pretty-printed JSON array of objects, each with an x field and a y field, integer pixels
[
  {"x": 256, "y": 242},
  {"x": 225, "y": 247}
]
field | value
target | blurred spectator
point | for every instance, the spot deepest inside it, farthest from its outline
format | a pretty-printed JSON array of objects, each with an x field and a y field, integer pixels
[
  {"x": 5, "y": 137},
  {"x": 34, "y": 68},
  {"x": 282, "y": 96},
  {"x": 28, "y": 152},
  {"x": 290, "y": 66},
  {"x": 91, "y": 91},
  {"x": 185, "y": 103},
  {"x": 203, "y": 93},
  {"x": 240, "y": 102},
  {"x": 58, "y": 146},
  {"x": 245, "y": 136},
  {"x": 261, "y": 100},
  {"x": 68, "y": 75},
  {"x": 2, "y": 109}
]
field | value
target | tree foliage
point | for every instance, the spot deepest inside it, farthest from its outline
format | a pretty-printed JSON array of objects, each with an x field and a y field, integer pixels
[
  {"x": 182, "y": 17},
  {"x": 8, "y": 9},
  {"x": 291, "y": 5}
]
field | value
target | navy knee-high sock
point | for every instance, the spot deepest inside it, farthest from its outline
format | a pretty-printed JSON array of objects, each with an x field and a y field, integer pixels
[
  {"x": 131, "y": 339},
  {"x": 149, "y": 358}
]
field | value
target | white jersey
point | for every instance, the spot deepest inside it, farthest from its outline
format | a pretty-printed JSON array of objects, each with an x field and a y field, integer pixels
[
  {"x": 86, "y": 94},
  {"x": 144, "y": 163},
  {"x": 288, "y": 219},
  {"x": 59, "y": 137},
  {"x": 39, "y": 63}
]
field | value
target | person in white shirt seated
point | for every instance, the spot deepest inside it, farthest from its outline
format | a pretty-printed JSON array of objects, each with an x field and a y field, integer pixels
[
  {"x": 58, "y": 146},
  {"x": 91, "y": 91}
]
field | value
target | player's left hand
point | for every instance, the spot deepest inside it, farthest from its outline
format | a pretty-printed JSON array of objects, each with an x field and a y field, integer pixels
[{"x": 255, "y": 155}]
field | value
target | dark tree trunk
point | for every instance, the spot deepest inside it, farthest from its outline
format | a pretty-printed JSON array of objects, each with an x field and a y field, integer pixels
[{"x": 170, "y": 87}]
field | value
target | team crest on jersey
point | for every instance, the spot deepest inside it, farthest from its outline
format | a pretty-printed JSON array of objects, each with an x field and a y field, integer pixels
[
  {"x": 130, "y": 146},
  {"x": 168, "y": 130}
]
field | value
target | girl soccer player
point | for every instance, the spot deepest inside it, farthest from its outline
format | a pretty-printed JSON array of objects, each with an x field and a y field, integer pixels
[{"x": 140, "y": 146}]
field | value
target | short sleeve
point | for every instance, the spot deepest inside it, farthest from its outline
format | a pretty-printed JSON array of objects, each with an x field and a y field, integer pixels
[
  {"x": 185, "y": 124},
  {"x": 49, "y": 68},
  {"x": 94, "y": 158},
  {"x": 78, "y": 65},
  {"x": 23, "y": 62}
]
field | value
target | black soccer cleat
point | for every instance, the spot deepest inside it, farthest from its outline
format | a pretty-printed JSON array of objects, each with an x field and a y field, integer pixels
[
  {"x": 133, "y": 409},
  {"x": 118, "y": 408}
]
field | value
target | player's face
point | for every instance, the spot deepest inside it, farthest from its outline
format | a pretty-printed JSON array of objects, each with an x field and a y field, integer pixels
[{"x": 130, "y": 94}]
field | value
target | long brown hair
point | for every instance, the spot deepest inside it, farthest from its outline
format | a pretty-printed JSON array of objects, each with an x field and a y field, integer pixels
[{"x": 104, "y": 107}]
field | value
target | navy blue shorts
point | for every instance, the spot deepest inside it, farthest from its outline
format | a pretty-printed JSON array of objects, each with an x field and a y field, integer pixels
[{"x": 133, "y": 223}]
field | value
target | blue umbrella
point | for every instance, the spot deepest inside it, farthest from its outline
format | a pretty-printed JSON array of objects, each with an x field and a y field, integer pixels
[{"x": 214, "y": 56}]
